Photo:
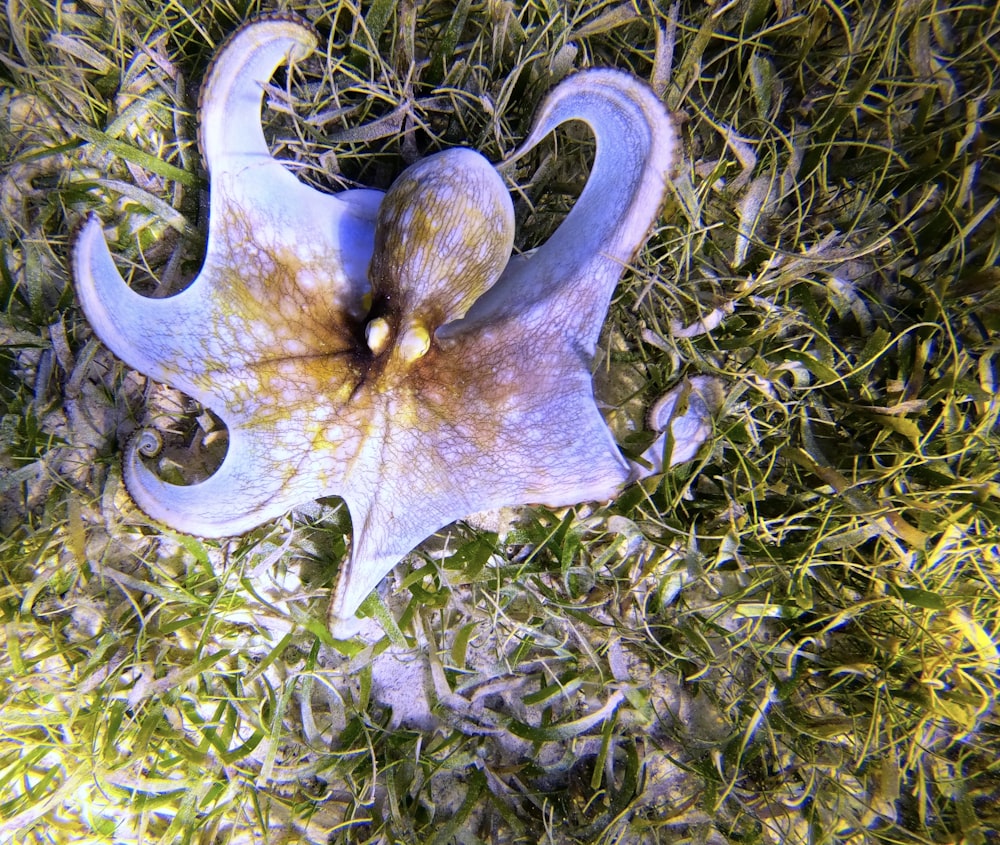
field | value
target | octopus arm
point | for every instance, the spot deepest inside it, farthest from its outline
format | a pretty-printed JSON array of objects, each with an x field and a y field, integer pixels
[
  {"x": 567, "y": 283},
  {"x": 139, "y": 330},
  {"x": 231, "y": 132},
  {"x": 240, "y": 495}
]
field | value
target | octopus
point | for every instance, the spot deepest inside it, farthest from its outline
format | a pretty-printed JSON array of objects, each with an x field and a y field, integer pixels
[{"x": 389, "y": 348}]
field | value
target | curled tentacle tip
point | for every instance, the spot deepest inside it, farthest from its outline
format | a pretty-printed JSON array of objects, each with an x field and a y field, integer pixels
[
  {"x": 684, "y": 418},
  {"x": 703, "y": 396},
  {"x": 148, "y": 443}
]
